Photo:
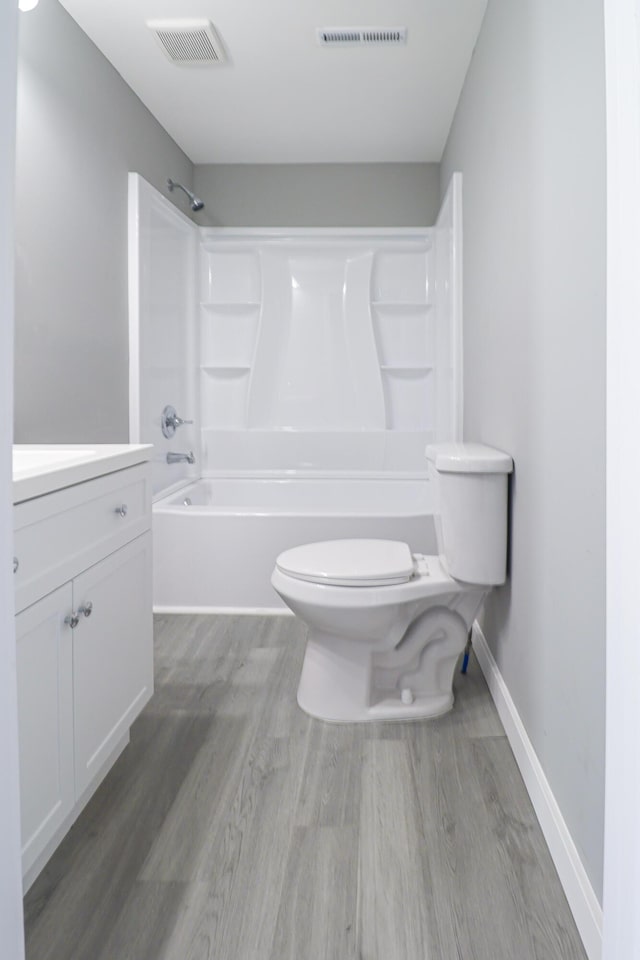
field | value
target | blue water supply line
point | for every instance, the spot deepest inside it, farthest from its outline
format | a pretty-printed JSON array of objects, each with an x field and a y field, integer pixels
[{"x": 465, "y": 658}]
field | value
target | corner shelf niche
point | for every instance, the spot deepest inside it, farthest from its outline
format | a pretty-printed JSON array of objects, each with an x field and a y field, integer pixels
[
  {"x": 401, "y": 275},
  {"x": 408, "y": 397},
  {"x": 404, "y": 339},
  {"x": 228, "y": 334},
  {"x": 229, "y": 331},
  {"x": 230, "y": 275},
  {"x": 224, "y": 392}
]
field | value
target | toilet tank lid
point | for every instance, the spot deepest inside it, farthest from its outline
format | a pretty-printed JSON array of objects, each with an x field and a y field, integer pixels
[{"x": 468, "y": 458}]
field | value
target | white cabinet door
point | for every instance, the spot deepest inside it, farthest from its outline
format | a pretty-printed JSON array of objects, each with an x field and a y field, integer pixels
[
  {"x": 44, "y": 650},
  {"x": 112, "y": 654}
]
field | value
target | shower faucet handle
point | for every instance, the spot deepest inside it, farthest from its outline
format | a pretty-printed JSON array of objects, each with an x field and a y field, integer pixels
[{"x": 170, "y": 421}]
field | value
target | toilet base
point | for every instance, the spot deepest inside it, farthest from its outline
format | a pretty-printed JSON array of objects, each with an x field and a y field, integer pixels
[
  {"x": 343, "y": 681},
  {"x": 422, "y": 708}
]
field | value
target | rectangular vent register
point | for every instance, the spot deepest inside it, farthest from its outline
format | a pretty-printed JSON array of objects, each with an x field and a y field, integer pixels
[
  {"x": 188, "y": 42},
  {"x": 361, "y": 36}
]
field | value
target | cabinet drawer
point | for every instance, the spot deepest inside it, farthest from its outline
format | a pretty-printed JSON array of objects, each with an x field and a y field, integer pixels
[{"x": 58, "y": 535}]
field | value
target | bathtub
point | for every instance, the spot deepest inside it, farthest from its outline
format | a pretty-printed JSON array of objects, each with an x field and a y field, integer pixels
[{"x": 215, "y": 541}]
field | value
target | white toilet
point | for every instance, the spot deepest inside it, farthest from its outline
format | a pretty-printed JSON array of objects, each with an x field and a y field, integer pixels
[{"x": 386, "y": 626}]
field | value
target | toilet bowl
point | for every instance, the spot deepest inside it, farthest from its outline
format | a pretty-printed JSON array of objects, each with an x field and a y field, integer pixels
[{"x": 386, "y": 627}]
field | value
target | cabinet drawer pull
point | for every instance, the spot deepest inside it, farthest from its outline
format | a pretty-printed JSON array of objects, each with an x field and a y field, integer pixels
[
  {"x": 122, "y": 510},
  {"x": 86, "y": 609},
  {"x": 72, "y": 620},
  {"x": 16, "y": 564}
]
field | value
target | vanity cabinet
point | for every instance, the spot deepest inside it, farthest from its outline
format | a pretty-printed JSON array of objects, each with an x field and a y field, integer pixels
[
  {"x": 44, "y": 661},
  {"x": 84, "y": 638},
  {"x": 112, "y": 655}
]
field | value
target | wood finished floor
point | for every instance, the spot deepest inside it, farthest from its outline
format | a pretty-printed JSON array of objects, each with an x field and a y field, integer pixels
[{"x": 234, "y": 827}]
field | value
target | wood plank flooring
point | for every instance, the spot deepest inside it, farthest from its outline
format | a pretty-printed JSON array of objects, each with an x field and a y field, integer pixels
[{"x": 234, "y": 827}]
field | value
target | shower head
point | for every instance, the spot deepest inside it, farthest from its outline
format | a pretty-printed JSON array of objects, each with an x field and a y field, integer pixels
[{"x": 196, "y": 203}]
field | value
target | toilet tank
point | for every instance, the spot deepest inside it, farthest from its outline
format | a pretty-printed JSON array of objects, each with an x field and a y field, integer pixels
[{"x": 471, "y": 517}]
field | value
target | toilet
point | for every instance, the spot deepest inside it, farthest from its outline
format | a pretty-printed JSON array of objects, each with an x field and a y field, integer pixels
[{"x": 387, "y": 626}]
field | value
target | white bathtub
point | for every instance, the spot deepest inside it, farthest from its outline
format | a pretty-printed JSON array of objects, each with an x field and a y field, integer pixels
[{"x": 216, "y": 541}]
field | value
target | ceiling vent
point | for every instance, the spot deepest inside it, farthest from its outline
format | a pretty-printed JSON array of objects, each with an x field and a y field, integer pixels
[
  {"x": 361, "y": 36},
  {"x": 189, "y": 43}
]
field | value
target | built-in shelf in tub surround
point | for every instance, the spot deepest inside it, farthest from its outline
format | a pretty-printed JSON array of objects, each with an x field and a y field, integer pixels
[
  {"x": 408, "y": 398},
  {"x": 403, "y": 333},
  {"x": 401, "y": 305},
  {"x": 84, "y": 632},
  {"x": 230, "y": 306},
  {"x": 228, "y": 334},
  {"x": 232, "y": 275},
  {"x": 401, "y": 271},
  {"x": 224, "y": 392},
  {"x": 215, "y": 367}
]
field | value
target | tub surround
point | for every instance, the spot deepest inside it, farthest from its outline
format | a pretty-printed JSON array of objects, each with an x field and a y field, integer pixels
[
  {"x": 324, "y": 351},
  {"x": 304, "y": 356},
  {"x": 84, "y": 632},
  {"x": 334, "y": 336},
  {"x": 163, "y": 366}
]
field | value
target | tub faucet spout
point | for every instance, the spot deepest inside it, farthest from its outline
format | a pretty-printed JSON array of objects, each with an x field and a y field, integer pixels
[{"x": 181, "y": 457}]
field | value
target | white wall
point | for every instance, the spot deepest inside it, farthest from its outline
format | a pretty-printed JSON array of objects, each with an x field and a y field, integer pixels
[
  {"x": 80, "y": 130},
  {"x": 622, "y": 829},
  {"x": 11, "y": 936},
  {"x": 319, "y": 194},
  {"x": 529, "y": 137}
]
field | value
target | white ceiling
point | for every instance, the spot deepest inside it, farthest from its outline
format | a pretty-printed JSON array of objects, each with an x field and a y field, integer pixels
[{"x": 281, "y": 97}]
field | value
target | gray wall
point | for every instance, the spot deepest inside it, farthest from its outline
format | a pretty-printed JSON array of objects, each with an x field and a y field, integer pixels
[
  {"x": 529, "y": 137},
  {"x": 319, "y": 195},
  {"x": 80, "y": 130}
]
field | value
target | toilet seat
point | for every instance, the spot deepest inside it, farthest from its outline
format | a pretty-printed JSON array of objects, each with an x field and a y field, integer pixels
[{"x": 349, "y": 563}]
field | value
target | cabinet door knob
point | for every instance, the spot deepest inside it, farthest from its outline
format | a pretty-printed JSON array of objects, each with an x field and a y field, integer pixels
[
  {"x": 72, "y": 620},
  {"x": 16, "y": 564},
  {"x": 122, "y": 510},
  {"x": 86, "y": 609}
]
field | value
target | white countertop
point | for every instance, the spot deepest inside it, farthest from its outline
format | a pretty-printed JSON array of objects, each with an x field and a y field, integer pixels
[{"x": 42, "y": 468}]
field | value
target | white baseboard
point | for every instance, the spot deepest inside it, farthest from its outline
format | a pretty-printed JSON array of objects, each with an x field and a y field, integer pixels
[{"x": 583, "y": 902}]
